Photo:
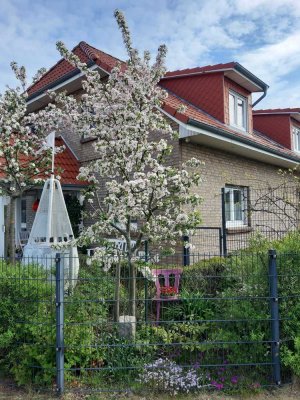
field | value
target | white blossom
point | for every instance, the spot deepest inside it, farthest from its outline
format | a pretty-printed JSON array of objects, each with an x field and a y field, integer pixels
[{"x": 145, "y": 198}]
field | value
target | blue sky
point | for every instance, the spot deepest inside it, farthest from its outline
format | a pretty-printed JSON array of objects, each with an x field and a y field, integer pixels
[{"x": 263, "y": 35}]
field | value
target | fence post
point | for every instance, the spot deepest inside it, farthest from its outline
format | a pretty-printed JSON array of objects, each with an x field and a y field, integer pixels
[
  {"x": 224, "y": 234},
  {"x": 186, "y": 251},
  {"x": 274, "y": 308},
  {"x": 220, "y": 242},
  {"x": 59, "y": 303},
  {"x": 146, "y": 251}
]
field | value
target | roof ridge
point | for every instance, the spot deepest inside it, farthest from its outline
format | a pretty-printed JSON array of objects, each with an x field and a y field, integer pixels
[{"x": 87, "y": 48}]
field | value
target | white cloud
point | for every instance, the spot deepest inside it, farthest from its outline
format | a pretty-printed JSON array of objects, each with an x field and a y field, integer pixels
[{"x": 273, "y": 62}]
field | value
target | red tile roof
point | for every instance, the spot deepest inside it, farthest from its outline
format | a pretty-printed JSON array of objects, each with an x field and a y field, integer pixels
[
  {"x": 277, "y": 111},
  {"x": 197, "y": 70},
  {"x": 66, "y": 166},
  {"x": 86, "y": 53},
  {"x": 172, "y": 103}
]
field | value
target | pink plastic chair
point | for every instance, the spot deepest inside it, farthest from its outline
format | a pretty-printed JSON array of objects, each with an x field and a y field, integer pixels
[{"x": 165, "y": 275}]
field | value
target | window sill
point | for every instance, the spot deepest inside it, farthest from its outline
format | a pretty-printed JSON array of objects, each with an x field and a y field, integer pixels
[
  {"x": 239, "y": 229},
  {"x": 88, "y": 139}
]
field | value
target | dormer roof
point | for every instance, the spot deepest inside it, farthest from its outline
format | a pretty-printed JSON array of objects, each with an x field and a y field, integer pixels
[
  {"x": 233, "y": 70},
  {"x": 293, "y": 112}
]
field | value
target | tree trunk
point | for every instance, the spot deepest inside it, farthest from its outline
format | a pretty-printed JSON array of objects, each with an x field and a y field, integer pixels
[
  {"x": 117, "y": 292},
  {"x": 11, "y": 229}
]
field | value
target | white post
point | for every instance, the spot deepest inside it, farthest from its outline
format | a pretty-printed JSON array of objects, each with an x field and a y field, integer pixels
[{"x": 49, "y": 220}]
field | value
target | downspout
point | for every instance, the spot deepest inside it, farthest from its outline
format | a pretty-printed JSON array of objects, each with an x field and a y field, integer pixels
[{"x": 261, "y": 97}]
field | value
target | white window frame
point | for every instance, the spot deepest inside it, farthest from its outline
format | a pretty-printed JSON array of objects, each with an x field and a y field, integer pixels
[
  {"x": 232, "y": 222},
  {"x": 245, "y": 111},
  {"x": 296, "y": 139}
]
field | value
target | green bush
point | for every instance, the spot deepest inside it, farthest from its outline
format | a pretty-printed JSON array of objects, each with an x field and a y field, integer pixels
[
  {"x": 223, "y": 313},
  {"x": 27, "y": 323}
]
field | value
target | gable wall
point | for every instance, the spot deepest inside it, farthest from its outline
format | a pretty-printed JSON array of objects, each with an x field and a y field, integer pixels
[
  {"x": 203, "y": 91},
  {"x": 276, "y": 127}
]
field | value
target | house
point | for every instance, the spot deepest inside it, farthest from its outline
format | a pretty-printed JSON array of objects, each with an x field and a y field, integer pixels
[
  {"x": 67, "y": 167},
  {"x": 242, "y": 149}
]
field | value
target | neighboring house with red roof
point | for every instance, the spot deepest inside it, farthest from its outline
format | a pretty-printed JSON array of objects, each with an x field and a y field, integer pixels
[{"x": 241, "y": 149}]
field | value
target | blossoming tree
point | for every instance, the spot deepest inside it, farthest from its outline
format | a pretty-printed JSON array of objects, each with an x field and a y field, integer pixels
[
  {"x": 138, "y": 194},
  {"x": 23, "y": 155}
]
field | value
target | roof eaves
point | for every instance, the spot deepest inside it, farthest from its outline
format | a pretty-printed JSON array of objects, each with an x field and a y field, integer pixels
[
  {"x": 222, "y": 132},
  {"x": 235, "y": 66},
  {"x": 242, "y": 70},
  {"x": 195, "y": 73},
  {"x": 277, "y": 113}
]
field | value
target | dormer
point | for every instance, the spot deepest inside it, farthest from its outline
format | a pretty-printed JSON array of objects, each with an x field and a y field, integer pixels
[
  {"x": 282, "y": 125},
  {"x": 224, "y": 91}
]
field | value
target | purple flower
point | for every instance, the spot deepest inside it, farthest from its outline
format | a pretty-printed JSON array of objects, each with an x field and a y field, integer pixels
[
  {"x": 217, "y": 385},
  {"x": 234, "y": 380}
]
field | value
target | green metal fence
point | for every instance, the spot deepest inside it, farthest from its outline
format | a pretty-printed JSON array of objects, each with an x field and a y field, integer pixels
[{"x": 220, "y": 323}]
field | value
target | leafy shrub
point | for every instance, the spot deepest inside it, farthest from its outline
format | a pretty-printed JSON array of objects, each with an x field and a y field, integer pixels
[
  {"x": 205, "y": 276},
  {"x": 27, "y": 322},
  {"x": 291, "y": 357}
]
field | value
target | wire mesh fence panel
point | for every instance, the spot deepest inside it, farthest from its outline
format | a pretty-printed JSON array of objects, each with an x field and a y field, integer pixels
[
  {"x": 271, "y": 213},
  {"x": 27, "y": 323},
  {"x": 206, "y": 240},
  {"x": 209, "y": 325},
  {"x": 288, "y": 265},
  {"x": 202, "y": 326}
]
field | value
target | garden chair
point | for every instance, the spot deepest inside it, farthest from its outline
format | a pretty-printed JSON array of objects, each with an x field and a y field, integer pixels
[{"x": 166, "y": 278}]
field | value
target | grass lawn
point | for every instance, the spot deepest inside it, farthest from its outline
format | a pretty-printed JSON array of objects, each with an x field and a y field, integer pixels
[{"x": 286, "y": 393}]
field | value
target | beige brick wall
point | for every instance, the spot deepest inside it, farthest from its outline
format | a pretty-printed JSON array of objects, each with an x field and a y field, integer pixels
[
  {"x": 272, "y": 218},
  {"x": 223, "y": 168}
]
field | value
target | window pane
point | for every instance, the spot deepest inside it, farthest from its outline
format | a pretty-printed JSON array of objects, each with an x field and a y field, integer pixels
[
  {"x": 231, "y": 110},
  {"x": 23, "y": 214},
  {"x": 240, "y": 113},
  {"x": 237, "y": 205},
  {"x": 296, "y": 139}
]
